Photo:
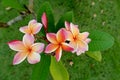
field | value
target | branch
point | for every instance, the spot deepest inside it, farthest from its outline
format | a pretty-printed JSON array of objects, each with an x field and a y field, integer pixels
[
  {"x": 29, "y": 10},
  {"x": 14, "y": 20}
]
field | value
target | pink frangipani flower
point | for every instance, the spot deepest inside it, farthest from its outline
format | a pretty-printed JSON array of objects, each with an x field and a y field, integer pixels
[
  {"x": 26, "y": 49},
  {"x": 32, "y": 28},
  {"x": 57, "y": 43},
  {"x": 78, "y": 40}
]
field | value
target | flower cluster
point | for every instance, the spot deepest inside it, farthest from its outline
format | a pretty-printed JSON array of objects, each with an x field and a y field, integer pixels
[
  {"x": 27, "y": 48},
  {"x": 78, "y": 40},
  {"x": 67, "y": 39}
]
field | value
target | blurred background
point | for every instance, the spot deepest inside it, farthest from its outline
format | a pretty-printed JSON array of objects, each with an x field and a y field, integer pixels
[{"x": 103, "y": 15}]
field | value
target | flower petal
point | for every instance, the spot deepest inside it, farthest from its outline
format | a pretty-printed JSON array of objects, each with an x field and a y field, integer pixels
[
  {"x": 74, "y": 45},
  {"x": 58, "y": 54},
  {"x": 87, "y": 40},
  {"x": 69, "y": 36},
  {"x": 16, "y": 45},
  {"x": 67, "y": 47},
  {"x": 61, "y": 35},
  {"x": 44, "y": 20},
  {"x": 24, "y": 29},
  {"x": 38, "y": 47},
  {"x": 74, "y": 29},
  {"x": 31, "y": 23},
  {"x": 83, "y": 35},
  {"x": 52, "y": 38},
  {"x": 33, "y": 58},
  {"x": 28, "y": 40},
  {"x": 67, "y": 25},
  {"x": 36, "y": 28},
  {"x": 19, "y": 57},
  {"x": 83, "y": 46},
  {"x": 79, "y": 52},
  {"x": 51, "y": 48}
]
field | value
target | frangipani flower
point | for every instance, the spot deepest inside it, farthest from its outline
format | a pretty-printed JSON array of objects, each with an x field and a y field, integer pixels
[
  {"x": 57, "y": 43},
  {"x": 32, "y": 28},
  {"x": 78, "y": 40},
  {"x": 26, "y": 49}
]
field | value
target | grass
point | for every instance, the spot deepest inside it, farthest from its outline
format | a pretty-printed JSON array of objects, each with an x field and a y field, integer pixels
[{"x": 84, "y": 68}]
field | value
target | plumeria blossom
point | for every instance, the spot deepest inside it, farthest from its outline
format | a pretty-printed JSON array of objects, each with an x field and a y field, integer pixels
[
  {"x": 26, "y": 49},
  {"x": 57, "y": 43},
  {"x": 78, "y": 40},
  {"x": 33, "y": 27}
]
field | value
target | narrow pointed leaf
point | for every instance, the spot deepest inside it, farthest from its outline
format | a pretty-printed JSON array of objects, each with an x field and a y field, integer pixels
[
  {"x": 46, "y": 7},
  {"x": 100, "y": 40},
  {"x": 66, "y": 17},
  {"x": 58, "y": 71},
  {"x": 95, "y": 55},
  {"x": 41, "y": 70}
]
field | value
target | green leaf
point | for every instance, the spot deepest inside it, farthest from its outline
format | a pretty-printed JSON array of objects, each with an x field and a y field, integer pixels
[
  {"x": 46, "y": 7},
  {"x": 58, "y": 71},
  {"x": 41, "y": 70},
  {"x": 100, "y": 40},
  {"x": 66, "y": 17},
  {"x": 95, "y": 55},
  {"x": 13, "y": 4}
]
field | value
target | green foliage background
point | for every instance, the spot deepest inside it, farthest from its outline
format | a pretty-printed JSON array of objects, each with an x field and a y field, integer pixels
[{"x": 84, "y": 68}]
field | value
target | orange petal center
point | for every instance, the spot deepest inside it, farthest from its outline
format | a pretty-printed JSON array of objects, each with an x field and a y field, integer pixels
[{"x": 29, "y": 50}]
